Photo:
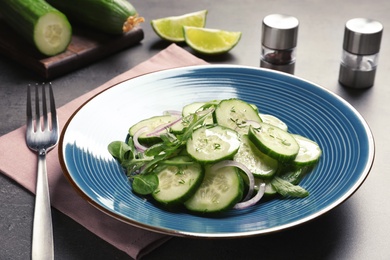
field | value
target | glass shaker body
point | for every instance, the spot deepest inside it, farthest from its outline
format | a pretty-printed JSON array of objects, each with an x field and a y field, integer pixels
[
  {"x": 360, "y": 54},
  {"x": 279, "y": 39},
  {"x": 358, "y": 71},
  {"x": 282, "y": 60}
]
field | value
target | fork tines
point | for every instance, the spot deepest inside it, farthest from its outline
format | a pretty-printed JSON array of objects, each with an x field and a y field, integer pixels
[{"x": 41, "y": 119}]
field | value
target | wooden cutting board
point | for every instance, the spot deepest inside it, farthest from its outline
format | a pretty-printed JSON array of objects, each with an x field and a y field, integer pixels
[{"x": 86, "y": 47}]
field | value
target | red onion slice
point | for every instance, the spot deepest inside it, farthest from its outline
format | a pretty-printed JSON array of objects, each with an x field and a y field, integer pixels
[
  {"x": 137, "y": 134},
  {"x": 252, "y": 201}
]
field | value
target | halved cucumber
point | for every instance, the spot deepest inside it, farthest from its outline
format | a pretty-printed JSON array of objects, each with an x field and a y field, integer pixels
[
  {"x": 219, "y": 191},
  {"x": 274, "y": 142},
  {"x": 261, "y": 165},
  {"x": 213, "y": 144},
  {"x": 39, "y": 23},
  {"x": 108, "y": 16},
  {"x": 52, "y": 33},
  {"x": 236, "y": 114},
  {"x": 178, "y": 182},
  {"x": 309, "y": 151},
  {"x": 152, "y": 125}
]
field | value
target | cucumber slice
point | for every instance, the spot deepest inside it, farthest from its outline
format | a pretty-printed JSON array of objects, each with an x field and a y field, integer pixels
[
  {"x": 219, "y": 191},
  {"x": 189, "y": 110},
  {"x": 213, "y": 144},
  {"x": 309, "y": 151},
  {"x": 177, "y": 183},
  {"x": 261, "y": 165},
  {"x": 152, "y": 124},
  {"x": 273, "y": 120},
  {"x": 195, "y": 107},
  {"x": 294, "y": 175},
  {"x": 178, "y": 127},
  {"x": 192, "y": 108},
  {"x": 235, "y": 114},
  {"x": 274, "y": 142},
  {"x": 269, "y": 189}
]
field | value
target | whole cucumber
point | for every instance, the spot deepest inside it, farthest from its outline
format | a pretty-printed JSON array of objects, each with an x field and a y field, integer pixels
[
  {"x": 39, "y": 23},
  {"x": 109, "y": 16}
]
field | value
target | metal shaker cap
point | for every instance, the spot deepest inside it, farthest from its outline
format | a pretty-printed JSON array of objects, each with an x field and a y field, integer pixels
[
  {"x": 280, "y": 31},
  {"x": 362, "y": 36}
]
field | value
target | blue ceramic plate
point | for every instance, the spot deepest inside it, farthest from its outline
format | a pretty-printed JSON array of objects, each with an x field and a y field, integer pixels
[{"x": 308, "y": 109}]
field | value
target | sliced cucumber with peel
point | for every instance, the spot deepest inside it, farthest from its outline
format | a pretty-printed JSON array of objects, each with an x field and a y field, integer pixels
[
  {"x": 274, "y": 142},
  {"x": 183, "y": 159},
  {"x": 151, "y": 125},
  {"x": 197, "y": 107},
  {"x": 261, "y": 165},
  {"x": 294, "y": 174},
  {"x": 236, "y": 114},
  {"x": 220, "y": 190},
  {"x": 273, "y": 120},
  {"x": 39, "y": 23},
  {"x": 309, "y": 151},
  {"x": 213, "y": 144},
  {"x": 269, "y": 189},
  {"x": 188, "y": 111},
  {"x": 178, "y": 182}
]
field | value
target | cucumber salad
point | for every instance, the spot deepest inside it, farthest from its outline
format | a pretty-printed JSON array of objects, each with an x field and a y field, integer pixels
[{"x": 215, "y": 156}]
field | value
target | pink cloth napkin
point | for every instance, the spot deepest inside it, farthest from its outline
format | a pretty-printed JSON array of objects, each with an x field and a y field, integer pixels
[{"x": 134, "y": 241}]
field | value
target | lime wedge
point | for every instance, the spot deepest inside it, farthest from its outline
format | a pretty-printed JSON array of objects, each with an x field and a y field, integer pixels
[
  {"x": 210, "y": 41},
  {"x": 171, "y": 28}
]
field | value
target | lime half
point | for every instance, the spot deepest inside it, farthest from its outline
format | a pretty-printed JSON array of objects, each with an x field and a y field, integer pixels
[
  {"x": 210, "y": 41},
  {"x": 171, "y": 28}
]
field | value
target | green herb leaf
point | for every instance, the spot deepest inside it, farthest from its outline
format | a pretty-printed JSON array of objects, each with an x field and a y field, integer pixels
[
  {"x": 120, "y": 150},
  {"x": 145, "y": 184},
  {"x": 140, "y": 166},
  {"x": 196, "y": 121},
  {"x": 285, "y": 188},
  {"x": 171, "y": 145}
]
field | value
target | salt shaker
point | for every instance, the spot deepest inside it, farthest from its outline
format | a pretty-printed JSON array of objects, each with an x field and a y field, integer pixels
[
  {"x": 362, "y": 40},
  {"x": 279, "y": 41}
]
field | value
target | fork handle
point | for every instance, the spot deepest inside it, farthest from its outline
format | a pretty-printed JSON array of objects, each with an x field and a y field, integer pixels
[{"x": 42, "y": 239}]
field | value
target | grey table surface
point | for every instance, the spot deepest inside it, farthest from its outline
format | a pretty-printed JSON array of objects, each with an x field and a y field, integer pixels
[{"x": 357, "y": 229}]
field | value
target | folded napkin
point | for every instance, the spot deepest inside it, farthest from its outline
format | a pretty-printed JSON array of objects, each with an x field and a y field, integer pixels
[{"x": 134, "y": 241}]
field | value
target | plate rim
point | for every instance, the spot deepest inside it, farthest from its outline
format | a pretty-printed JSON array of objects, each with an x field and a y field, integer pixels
[{"x": 166, "y": 231}]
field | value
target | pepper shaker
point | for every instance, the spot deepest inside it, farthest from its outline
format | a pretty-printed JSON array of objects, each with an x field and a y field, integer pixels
[
  {"x": 362, "y": 40},
  {"x": 279, "y": 39}
]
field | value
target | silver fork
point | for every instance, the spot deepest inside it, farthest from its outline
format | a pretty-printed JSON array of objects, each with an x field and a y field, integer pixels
[{"x": 41, "y": 137}]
